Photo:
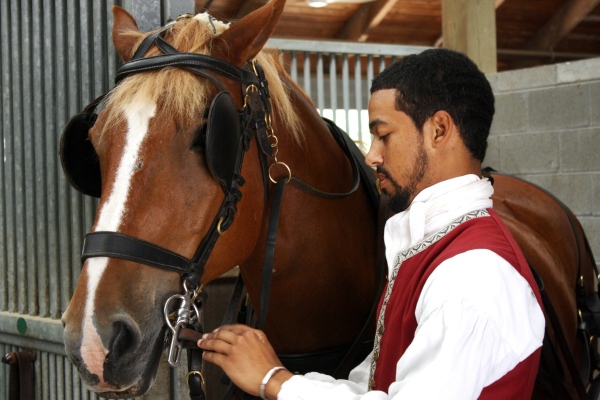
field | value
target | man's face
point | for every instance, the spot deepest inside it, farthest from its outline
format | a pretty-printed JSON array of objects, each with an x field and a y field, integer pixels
[{"x": 397, "y": 151}]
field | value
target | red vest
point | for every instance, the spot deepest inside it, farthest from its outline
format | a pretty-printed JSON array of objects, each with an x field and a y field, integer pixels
[{"x": 399, "y": 322}]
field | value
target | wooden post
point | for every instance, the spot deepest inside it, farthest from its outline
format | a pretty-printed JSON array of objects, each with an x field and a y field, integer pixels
[{"x": 469, "y": 26}]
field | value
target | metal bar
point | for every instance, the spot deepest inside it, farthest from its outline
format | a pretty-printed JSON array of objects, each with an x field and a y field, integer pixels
[
  {"x": 46, "y": 329},
  {"x": 294, "y": 66},
  {"x": 6, "y": 280},
  {"x": 50, "y": 151},
  {"x": 346, "y": 88},
  {"x": 358, "y": 94},
  {"x": 333, "y": 85},
  {"x": 340, "y": 47},
  {"x": 306, "y": 73},
  {"x": 320, "y": 84},
  {"x": 18, "y": 181}
]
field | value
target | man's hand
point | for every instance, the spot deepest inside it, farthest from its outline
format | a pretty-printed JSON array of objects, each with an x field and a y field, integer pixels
[{"x": 246, "y": 356}]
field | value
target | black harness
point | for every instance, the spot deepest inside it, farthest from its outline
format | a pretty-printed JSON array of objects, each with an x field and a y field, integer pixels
[{"x": 229, "y": 132}]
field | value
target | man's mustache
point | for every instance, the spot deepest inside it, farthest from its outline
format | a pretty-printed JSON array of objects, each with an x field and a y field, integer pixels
[{"x": 383, "y": 171}]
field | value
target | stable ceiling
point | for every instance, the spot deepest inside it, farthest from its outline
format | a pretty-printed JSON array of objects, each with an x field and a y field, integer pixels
[{"x": 528, "y": 32}]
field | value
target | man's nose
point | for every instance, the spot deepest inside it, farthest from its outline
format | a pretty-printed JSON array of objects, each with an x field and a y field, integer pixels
[{"x": 373, "y": 157}]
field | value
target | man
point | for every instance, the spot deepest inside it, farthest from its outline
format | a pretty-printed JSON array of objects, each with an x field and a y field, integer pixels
[{"x": 461, "y": 316}]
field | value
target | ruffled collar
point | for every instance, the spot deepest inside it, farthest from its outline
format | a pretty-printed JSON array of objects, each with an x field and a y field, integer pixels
[{"x": 433, "y": 209}]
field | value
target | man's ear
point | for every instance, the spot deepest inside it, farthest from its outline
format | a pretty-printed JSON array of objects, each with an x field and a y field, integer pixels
[{"x": 442, "y": 128}]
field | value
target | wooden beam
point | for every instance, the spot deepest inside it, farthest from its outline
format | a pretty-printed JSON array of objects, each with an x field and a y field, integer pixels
[
  {"x": 440, "y": 41},
  {"x": 563, "y": 22},
  {"x": 469, "y": 26},
  {"x": 365, "y": 19}
]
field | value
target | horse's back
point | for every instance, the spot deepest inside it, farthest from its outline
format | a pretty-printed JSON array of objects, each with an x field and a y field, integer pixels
[{"x": 553, "y": 243}]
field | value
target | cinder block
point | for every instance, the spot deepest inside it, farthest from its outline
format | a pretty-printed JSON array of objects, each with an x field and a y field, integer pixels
[
  {"x": 591, "y": 226},
  {"x": 595, "y": 103},
  {"x": 575, "y": 190},
  {"x": 529, "y": 153},
  {"x": 559, "y": 107},
  {"x": 492, "y": 155},
  {"x": 580, "y": 150},
  {"x": 511, "y": 113},
  {"x": 577, "y": 71},
  {"x": 521, "y": 79},
  {"x": 493, "y": 80},
  {"x": 596, "y": 194}
]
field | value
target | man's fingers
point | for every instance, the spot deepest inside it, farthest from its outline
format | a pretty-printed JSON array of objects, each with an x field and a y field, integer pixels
[{"x": 214, "y": 345}]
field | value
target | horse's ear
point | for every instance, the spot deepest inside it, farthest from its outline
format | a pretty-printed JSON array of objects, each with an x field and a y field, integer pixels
[
  {"x": 124, "y": 24},
  {"x": 246, "y": 37}
]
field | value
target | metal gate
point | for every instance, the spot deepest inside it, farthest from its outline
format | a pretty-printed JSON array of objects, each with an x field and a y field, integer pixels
[{"x": 56, "y": 57}]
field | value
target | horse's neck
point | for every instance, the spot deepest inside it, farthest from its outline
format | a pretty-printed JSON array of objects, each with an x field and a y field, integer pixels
[{"x": 325, "y": 252}]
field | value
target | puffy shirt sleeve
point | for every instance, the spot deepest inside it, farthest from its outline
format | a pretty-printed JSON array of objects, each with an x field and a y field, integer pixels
[{"x": 477, "y": 319}]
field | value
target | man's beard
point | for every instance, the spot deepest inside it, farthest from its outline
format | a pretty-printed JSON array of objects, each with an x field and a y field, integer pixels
[{"x": 402, "y": 196}]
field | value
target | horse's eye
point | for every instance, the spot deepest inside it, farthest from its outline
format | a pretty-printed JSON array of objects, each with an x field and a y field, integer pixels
[{"x": 199, "y": 141}]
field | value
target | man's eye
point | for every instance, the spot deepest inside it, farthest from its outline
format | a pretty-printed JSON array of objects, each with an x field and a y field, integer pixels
[{"x": 383, "y": 138}]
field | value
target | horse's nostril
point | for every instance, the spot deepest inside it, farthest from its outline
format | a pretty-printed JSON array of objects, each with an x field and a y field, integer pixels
[{"x": 125, "y": 338}]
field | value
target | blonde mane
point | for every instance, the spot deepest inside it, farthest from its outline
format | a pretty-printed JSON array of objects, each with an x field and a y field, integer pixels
[{"x": 183, "y": 95}]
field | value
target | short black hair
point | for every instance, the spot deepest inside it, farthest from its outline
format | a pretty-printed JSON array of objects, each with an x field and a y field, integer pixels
[{"x": 442, "y": 79}]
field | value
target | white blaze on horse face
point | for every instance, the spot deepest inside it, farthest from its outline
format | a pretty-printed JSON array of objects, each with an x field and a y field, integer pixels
[{"x": 138, "y": 115}]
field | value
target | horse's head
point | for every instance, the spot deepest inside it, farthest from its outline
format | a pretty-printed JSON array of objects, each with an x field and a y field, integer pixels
[{"x": 163, "y": 159}]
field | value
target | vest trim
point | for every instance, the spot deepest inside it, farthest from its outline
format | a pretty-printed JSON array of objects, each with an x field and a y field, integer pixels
[{"x": 400, "y": 258}]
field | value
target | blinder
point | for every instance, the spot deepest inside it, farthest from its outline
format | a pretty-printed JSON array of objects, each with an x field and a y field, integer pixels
[
  {"x": 222, "y": 138},
  {"x": 77, "y": 155}
]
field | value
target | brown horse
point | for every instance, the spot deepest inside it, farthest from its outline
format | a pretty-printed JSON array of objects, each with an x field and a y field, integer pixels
[{"x": 159, "y": 185}]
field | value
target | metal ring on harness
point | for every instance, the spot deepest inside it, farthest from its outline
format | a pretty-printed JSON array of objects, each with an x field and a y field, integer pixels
[
  {"x": 187, "y": 377},
  {"x": 219, "y": 226},
  {"x": 286, "y": 166}
]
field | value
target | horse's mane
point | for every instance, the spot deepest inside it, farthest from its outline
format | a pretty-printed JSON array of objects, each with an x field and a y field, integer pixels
[{"x": 182, "y": 95}]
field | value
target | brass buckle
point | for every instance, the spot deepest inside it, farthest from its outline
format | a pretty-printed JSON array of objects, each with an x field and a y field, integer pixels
[{"x": 187, "y": 377}]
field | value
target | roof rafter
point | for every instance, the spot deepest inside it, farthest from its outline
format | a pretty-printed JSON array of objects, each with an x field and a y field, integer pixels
[
  {"x": 563, "y": 22},
  {"x": 367, "y": 17}
]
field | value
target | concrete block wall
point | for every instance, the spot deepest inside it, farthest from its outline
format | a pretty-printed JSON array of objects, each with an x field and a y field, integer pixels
[{"x": 547, "y": 131}]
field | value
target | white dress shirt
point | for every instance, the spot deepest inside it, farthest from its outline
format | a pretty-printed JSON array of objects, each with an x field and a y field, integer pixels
[{"x": 477, "y": 317}]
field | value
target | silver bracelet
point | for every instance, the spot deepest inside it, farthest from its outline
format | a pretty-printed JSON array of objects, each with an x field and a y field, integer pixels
[{"x": 266, "y": 379}]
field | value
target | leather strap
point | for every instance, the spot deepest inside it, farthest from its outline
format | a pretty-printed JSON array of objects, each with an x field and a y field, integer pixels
[
  {"x": 192, "y": 60},
  {"x": 267, "y": 271},
  {"x": 560, "y": 337},
  {"x": 342, "y": 138},
  {"x": 119, "y": 245},
  {"x": 21, "y": 379},
  {"x": 349, "y": 360}
]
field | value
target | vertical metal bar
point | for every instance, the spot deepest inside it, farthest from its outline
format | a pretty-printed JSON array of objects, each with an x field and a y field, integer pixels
[
  {"x": 51, "y": 136},
  {"x": 320, "y": 84},
  {"x": 306, "y": 73},
  {"x": 18, "y": 182},
  {"x": 27, "y": 202},
  {"x": 52, "y": 384},
  {"x": 358, "y": 82},
  {"x": 294, "y": 66},
  {"x": 333, "y": 86},
  {"x": 6, "y": 269},
  {"x": 38, "y": 145},
  {"x": 381, "y": 63},
  {"x": 346, "y": 87},
  {"x": 370, "y": 75},
  {"x": 113, "y": 59}
]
